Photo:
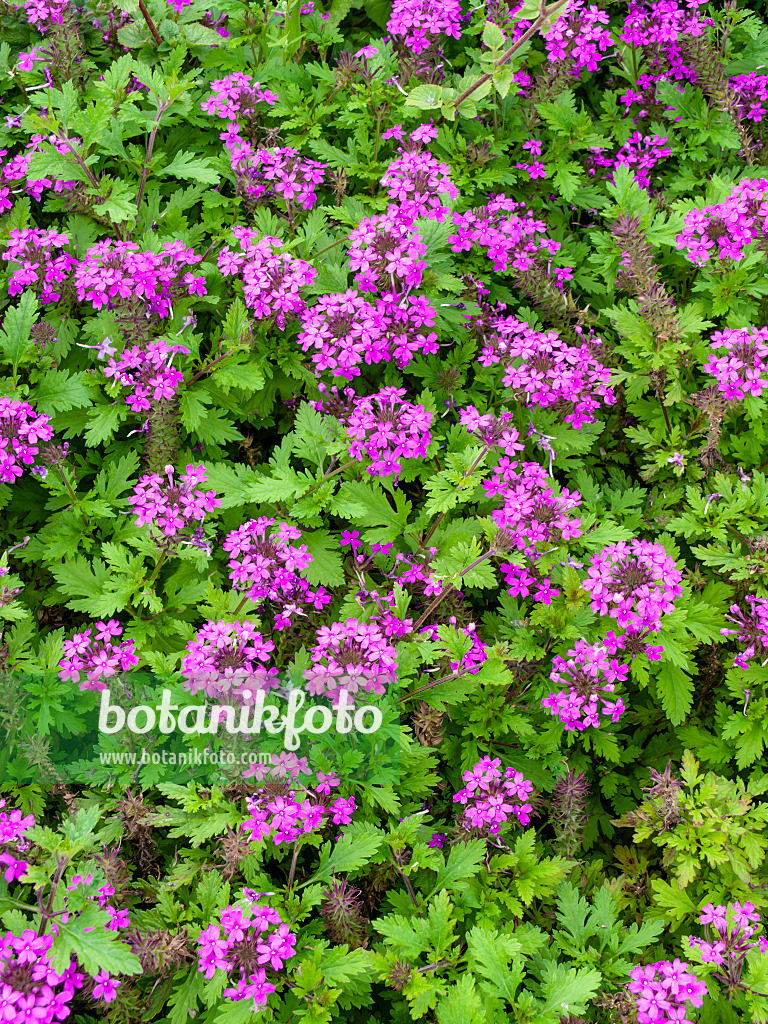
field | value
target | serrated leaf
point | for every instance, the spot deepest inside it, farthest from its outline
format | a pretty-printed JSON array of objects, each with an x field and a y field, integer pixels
[
  {"x": 94, "y": 948},
  {"x": 15, "y": 338},
  {"x": 676, "y": 691},
  {"x": 463, "y": 862},
  {"x": 327, "y": 567},
  {"x": 191, "y": 167}
]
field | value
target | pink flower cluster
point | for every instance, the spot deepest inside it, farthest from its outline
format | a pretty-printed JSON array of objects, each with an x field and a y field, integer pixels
[
  {"x": 13, "y": 825},
  {"x": 640, "y": 152},
  {"x": 227, "y": 659},
  {"x": 418, "y": 182},
  {"x": 492, "y": 797},
  {"x": 20, "y": 430},
  {"x": 271, "y": 280},
  {"x": 661, "y": 23},
  {"x": 752, "y": 630},
  {"x": 532, "y": 514},
  {"x": 743, "y": 369},
  {"x": 30, "y": 989},
  {"x": 416, "y": 24},
  {"x": 170, "y": 508},
  {"x": 635, "y": 582},
  {"x": 726, "y": 229},
  {"x": 116, "y": 272},
  {"x": 345, "y": 330},
  {"x": 729, "y": 932},
  {"x": 351, "y": 656},
  {"x": 45, "y": 14},
  {"x": 752, "y": 92},
  {"x": 387, "y": 254},
  {"x": 148, "y": 372},
  {"x": 246, "y": 943},
  {"x": 267, "y": 566},
  {"x": 491, "y": 429},
  {"x": 98, "y": 656},
  {"x": 588, "y": 674},
  {"x": 579, "y": 36},
  {"x": 14, "y": 171},
  {"x": 662, "y": 991},
  {"x": 385, "y": 429},
  {"x": 287, "y": 815},
  {"x": 237, "y": 97},
  {"x": 264, "y": 175},
  {"x": 511, "y": 235},
  {"x": 40, "y": 265},
  {"x": 547, "y": 370}
]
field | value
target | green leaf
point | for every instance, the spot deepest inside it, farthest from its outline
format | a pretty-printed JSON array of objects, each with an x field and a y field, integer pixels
[
  {"x": 245, "y": 376},
  {"x": 58, "y": 391},
  {"x": 489, "y": 955},
  {"x": 568, "y": 990},
  {"x": 15, "y": 333},
  {"x": 463, "y": 862},
  {"x": 379, "y": 11},
  {"x": 215, "y": 427},
  {"x": 103, "y": 422},
  {"x": 462, "y": 1004},
  {"x": 191, "y": 167},
  {"x": 120, "y": 203},
  {"x": 493, "y": 37},
  {"x": 425, "y": 97},
  {"x": 327, "y": 567},
  {"x": 94, "y": 949},
  {"x": 676, "y": 692},
  {"x": 350, "y": 853}
]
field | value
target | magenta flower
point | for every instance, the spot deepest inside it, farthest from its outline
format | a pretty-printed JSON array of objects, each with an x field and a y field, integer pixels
[
  {"x": 227, "y": 660},
  {"x": 264, "y": 564},
  {"x": 416, "y": 24},
  {"x": 662, "y": 991},
  {"x": 21, "y": 428},
  {"x": 635, "y": 582},
  {"x": 492, "y": 797},
  {"x": 99, "y": 657},
  {"x": 587, "y": 675},
  {"x": 173, "y": 510},
  {"x": 246, "y": 938},
  {"x": 351, "y": 656},
  {"x": 271, "y": 279}
]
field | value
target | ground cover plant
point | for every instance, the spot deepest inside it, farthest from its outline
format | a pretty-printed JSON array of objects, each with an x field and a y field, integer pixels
[{"x": 405, "y": 360}]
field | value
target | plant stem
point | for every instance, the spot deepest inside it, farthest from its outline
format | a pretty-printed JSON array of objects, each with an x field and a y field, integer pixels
[
  {"x": 61, "y": 863},
  {"x": 442, "y": 596},
  {"x": 150, "y": 24},
  {"x": 153, "y": 577},
  {"x": 74, "y": 497},
  {"x": 431, "y": 684},
  {"x": 666, "y": 416},
  {"x": 331, "y": 246},
  {"x": 207, "y": 368},
  {"x": 407, "y": 881},
  {"x": 292, "y": 872},
  {"x": 80, "y": 162},
  {"x": 161, "y": 109},
  {"x": 328, "y": 475},
  {"x": 544, "y": 13}
]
